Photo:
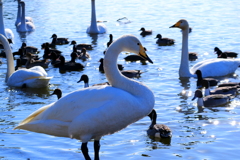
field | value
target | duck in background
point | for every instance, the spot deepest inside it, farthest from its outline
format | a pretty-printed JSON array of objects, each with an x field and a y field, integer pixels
[
  {"x": 210, "y": 67},
  {"x": 95, "y": 28},
  {"x": 24, "y": 26},
  {"x": 164, "y": 41},
  {"x": 59, "y": 41},
  {"x": 57, "y": 92},
  {"x": 157, "y": 130},
  {"x": 71, "y": 65},
  {"x": 48, "y": 51},
  {"x": 210, "y": 100},
  {"x": 212, "y": 81},
  {"x": 85, "y": 79},
  {"x": 81, "y": 46},
  {"x": 192, "y": 56},
  {"x": 227, "y": 53},
  {"x": 31, "y": 62},
  {"x": 229, "y": 90},
  {"x": 84, "y": 55},
  {"x": 101, "y": 69},
  {"x": 145, "y": 32}
]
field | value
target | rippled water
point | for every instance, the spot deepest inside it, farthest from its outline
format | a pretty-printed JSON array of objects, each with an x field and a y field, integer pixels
[{"x": 211, "y": 134}]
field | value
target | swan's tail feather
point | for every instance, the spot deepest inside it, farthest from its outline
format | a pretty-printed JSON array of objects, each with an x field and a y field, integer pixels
[{"x": 32, "y": 116}]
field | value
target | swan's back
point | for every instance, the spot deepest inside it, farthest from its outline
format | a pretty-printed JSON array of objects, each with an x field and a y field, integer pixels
[{"x": 216, "y": 67}]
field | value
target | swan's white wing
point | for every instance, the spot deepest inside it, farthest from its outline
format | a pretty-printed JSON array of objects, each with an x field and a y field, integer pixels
[
  {"x": 101, "y": 28},
  {"x": 216, "y": 67}
]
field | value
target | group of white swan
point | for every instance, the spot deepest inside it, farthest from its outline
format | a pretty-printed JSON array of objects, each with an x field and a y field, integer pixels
[{"x": 93, "y": 112}]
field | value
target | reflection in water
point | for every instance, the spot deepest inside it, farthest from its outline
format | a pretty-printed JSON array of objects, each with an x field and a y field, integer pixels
[
  {"x": 94, "y": 38},
  {"x": 23, "y": 36}
]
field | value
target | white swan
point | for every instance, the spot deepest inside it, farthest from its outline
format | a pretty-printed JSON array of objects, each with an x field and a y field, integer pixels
[
  {"x": 4, "y": 31},
  {"x": 211, "y": 67},
  {"x": 93, "y": 112},
  {"x": 19, "y": 14},
  {"x": 95, "y": 28},
  {"x": 24, "y": 26},
  {"x": 35, "y": 77}
]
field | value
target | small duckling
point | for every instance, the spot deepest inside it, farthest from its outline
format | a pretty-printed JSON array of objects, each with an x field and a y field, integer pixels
[
  {"x": 57, "y": 92},
  {"x": 81, "y": 46},
  {"x": 158, "y": 130},
  {"x": 164, "y": 41},
  {"x": 145, "y": 32},
  {"x": 212, "y": 81},
  {"x": 229, "y": 54},
  {"x": 211, "y": 100},
  {"x": 84, "y": 55},
  {"x": 60, "y": 41}
]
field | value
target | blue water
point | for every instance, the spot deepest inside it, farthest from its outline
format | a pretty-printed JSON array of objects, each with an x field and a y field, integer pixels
[{"x": 211, "y": 134}]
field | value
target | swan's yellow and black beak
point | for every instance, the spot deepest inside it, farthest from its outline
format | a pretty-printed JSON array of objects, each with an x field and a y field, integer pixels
[
  {"x": 143, "y": 54},
  {"x": 176, "y": 25}
]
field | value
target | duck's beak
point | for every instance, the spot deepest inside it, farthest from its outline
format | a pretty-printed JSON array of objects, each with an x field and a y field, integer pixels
[
  {"x": 175, "y": 25},
  {"x": 143, "y": 54}
]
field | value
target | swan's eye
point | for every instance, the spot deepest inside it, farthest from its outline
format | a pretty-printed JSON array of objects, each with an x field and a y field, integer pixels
[{"x": 138, "y": 43}]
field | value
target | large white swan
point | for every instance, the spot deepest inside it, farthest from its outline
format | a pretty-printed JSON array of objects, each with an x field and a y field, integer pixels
[
  {"x": 95, "y": 28},
  {"x": 93, "y": 112},
  {"x": 19, "y": 14},
  {"x": 5, "y": 31},
  {"x": 35, "y": 77},
  {"x": 211, "y": 67},
  {"x": 24, "y": 26}
]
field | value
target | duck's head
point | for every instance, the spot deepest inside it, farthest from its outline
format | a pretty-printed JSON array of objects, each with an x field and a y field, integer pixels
[
  {"x": 197, "y": 94},
  {"x": 54, "y": 36},
  {"x": 73, "y": 42},
  {"x": 182, "y": 24},
  {"x": 142, "y": 29},
  {"x": 159, "y": 36},
  {"x": 24, "y": 44},
  {"x": 84, "y": 78},
  {"x": 58, "y": 92}
]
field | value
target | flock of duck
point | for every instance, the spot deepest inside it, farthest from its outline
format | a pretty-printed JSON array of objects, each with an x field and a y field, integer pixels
[{"x": 92, "y": 116}]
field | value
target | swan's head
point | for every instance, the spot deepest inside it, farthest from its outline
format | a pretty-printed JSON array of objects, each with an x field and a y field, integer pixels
[
  {"x": 182, "y": 24},
  {"x": 133, "y": 45},
  {"x": 198, "y": 94}
]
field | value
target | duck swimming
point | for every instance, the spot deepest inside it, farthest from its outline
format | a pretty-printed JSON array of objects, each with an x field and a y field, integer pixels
[
  {"x": 164, "y": 41},
  {"x": 145, "y": 32},
  {"x": 76, "y": 115},
  {"x": 210, "y": 67}
]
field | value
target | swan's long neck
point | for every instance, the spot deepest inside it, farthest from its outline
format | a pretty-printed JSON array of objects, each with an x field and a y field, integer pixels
[
  {"x": 93, "y": 27},
  {"x": 2, "y": 28},
  {"x": 184, "y": 67},
  {"x": 115, "y": 78},
  {"x": 23, "y": 23},
  {"x": 18, "y": 15},
  {"x": 9, "y": 55}
]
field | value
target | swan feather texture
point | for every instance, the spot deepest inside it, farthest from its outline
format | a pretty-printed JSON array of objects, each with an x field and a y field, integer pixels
[
  {"x": 93, "y": 112},
  {"x": 24, "y": 26},
  {"x": 211, "y": 67},
  {"x": 95, "y": 28},
  {"x": 35, "y": 77}
]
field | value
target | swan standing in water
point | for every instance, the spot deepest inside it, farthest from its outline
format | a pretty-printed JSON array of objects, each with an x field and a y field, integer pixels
[
  {"x": 19, "y": 14},
  {"x": 35, "y": 77},
  {"x": 24, "y": 26},
  {"x": 211, "y": 67},
  {"x": 93, "y": 112},
  {"x": 5, "y": 31},
  {"x": 95, "y": 28}
]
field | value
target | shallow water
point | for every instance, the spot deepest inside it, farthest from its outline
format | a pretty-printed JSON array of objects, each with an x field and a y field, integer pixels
[{"x": 211, "y": 134}]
